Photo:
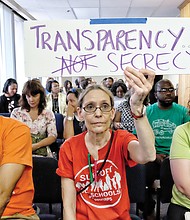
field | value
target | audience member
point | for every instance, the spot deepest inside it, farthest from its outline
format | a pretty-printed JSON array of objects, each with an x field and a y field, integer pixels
[
  {"x": 16, "y": 184},
  {"x": 67, "y": 86},
  {"x": 164, "y": 116},
  {"x": 72, "y": 124},
  {"x": 152, "y": 97},
  {"x": 40, "y": 120},
  {"x": 109, "y": 82},
  {"x": 119, "y": 90},
  {"x": 180, "y": 165},
  {"x": 104, "y": 81},
  {"x": 9, "y": 100},
  {"x": 80, "y": 79},
  {"x": 77, "y": 83},
  {"x": 123, "y": 118},
  {"x": 56, "y": 101},
  {"x": 83, "y": 84},
  {"x": 48, "y": 79},
  {"x": 92, "y": 164}
]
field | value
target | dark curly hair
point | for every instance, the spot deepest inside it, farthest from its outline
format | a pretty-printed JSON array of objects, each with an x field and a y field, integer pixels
[
  {"x": 116, "y": 85},
  {"x": 33, "y": 87}
]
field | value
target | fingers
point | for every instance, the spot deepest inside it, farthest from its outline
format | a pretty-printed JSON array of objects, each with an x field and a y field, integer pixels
[
  {"x": 139, "y": 76},
  {"x": 142, "y": 79},
  {"x": 150, "y": 75}
]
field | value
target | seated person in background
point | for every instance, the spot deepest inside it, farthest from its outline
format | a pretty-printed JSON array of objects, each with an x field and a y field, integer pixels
[
  {"x": 92, "y": 164},
  {"x": 123, "y": 117},
  {"x": 109, "y": 82},
  {"x": 103, "y": 82},
  {"x": 9, "y": 100},
  {"x": 67, "y": 86},
  {"x": 164, "y": 116},
  {"x": 119, "y": 90},
  {"x": 72, "y": 124},
  {"x": 40, "y": 120},
  {"x": 180, "y": 166},
  {"x": 84, "y": 83},
  {"x": 16, "y": 184},
  {"x": 48, "y": 79},
  {"x": 56, "y": 101}
]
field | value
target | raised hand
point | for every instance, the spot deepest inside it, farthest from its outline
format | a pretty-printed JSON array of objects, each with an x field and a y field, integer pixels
[{"x": 140, "y": 82}]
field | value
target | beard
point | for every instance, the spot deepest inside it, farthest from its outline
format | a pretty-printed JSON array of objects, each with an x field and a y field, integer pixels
[{"x": 166, "y": 104}]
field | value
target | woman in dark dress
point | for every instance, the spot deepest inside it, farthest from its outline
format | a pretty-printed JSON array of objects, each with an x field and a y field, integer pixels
[{"x": 9, "y": 100}]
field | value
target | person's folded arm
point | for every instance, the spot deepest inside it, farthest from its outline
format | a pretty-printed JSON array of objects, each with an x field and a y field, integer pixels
[
  {"x": 10, "y": 173},
  {"x": 45, "y": 142}
]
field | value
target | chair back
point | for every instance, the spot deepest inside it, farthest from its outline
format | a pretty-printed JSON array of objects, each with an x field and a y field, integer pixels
[
  {"x": 166, "y": 182},
  {"x": 47, "y": 183},
  {"x": 59, "y": 125},
  {"x": 6, "y": 114},
  {"x": 136, "y": 181},
  {"x": 164, "y": 193}
]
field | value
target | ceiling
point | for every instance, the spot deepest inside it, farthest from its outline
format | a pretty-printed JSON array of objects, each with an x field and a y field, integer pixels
[{"x": 86, "y": 9}]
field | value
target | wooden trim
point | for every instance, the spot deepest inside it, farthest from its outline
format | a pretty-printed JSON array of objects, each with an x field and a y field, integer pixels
[{"x": 183, "y": 4}]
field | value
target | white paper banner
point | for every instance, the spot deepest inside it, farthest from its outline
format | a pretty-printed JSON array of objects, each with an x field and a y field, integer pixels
[{"x": 106, "y": 46}]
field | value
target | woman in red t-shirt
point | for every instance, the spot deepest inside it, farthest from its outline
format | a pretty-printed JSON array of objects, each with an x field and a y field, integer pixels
[{"x": 92, "y": 164}]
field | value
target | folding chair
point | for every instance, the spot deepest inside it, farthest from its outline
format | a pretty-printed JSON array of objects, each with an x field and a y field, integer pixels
[
  {"x": 5, "y": 114},
  {"x": 136, "y": 181},
  {"x": 47, "y": 183},
  {"x": 164, "y": 193}
]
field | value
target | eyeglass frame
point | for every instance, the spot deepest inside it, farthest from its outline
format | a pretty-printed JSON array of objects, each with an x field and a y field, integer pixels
[
  {"x": 98, "y": 107},
  {"x": 166, "y": 90}
]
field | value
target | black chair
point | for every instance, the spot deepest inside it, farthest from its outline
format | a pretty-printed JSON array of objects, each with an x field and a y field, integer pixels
[
  {"x": 136, "y": 181},
  {"x": 164, "y": 192},
  {"x": 47, "y": 183},
  {"x": 6, "y": 114},
  {"x": 47, "y": 217},
  {"x": 59, "y": 126},
  {"x": 134, "y": 217}
]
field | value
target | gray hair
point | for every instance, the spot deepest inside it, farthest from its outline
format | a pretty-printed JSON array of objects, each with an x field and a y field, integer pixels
[{"x": 95, "y": 87}]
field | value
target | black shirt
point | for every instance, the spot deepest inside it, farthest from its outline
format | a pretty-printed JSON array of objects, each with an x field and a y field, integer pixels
[{"x": 7, "y": 104}]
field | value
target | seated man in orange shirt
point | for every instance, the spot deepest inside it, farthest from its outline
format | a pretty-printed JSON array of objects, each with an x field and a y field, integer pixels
[{"x": 16, "y": 184}]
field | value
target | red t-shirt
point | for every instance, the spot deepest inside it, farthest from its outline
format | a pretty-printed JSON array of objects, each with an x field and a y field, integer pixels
[
  {"x": 108, "y": 197},
  {"x": 16, "y": 147}
]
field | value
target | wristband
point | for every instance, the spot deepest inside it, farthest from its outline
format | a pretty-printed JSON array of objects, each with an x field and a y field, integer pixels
[
  {"x": 139, "y": 116},
  {"x": 69, "y": 118}
]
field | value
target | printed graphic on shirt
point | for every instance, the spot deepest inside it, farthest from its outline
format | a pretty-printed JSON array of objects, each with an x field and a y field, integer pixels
[
  {"x": 107, "y": 188},
  {"x": 163, "y": 128}
]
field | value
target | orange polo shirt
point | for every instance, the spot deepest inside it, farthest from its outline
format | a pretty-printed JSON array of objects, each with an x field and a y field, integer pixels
[{"x": 16, "y": 147}]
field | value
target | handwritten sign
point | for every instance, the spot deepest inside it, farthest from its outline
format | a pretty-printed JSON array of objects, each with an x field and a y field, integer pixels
[{"x": 106, "y": 46}]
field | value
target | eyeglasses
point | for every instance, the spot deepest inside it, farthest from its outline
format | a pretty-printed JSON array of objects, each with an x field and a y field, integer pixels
[
  {"x": 163, "y": 90},
  {"x": 90, "y": 108}
]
